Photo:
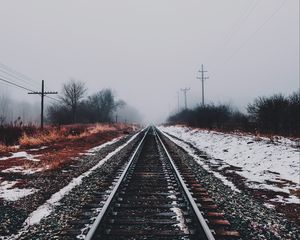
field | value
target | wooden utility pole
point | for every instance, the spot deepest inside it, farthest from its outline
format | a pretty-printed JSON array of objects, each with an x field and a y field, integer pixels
[
  {"x": 184, "y": 90},
  {"x": 202, "y": 78},
  {"x": 178, "y": 108},
  {"x": 42, "y": 94}
]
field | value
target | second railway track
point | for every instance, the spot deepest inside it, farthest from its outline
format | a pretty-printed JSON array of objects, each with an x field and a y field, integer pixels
[{"x": 158, "y": 198}]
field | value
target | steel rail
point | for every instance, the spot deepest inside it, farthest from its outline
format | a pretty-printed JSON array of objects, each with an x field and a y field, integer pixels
[
  {"x": 198, "y": 214},
  {"x": 105, "y": 207}
]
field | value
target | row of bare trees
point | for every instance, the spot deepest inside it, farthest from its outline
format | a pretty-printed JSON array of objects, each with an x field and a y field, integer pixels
[
  {"x": 75, "y": 107},
  {"x": 276, "y": 114}
]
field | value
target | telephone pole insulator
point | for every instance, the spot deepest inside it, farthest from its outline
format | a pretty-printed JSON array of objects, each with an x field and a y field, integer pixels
[
  {"x": 202, "y": 78},
  {"x": 43, "y": 94}
]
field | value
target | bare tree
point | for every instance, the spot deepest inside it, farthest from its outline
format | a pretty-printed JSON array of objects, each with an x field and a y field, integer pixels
[
  {"x": 72, "y": 93},
  {"x": 103, "y": 104}
]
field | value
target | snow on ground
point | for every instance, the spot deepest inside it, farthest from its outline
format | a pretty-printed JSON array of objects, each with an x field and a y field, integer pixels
[
  {"x": 20, "y": 169},
  {"x": 45, "y": 209},
  {"x": 264, "y": 164},
  {"x": 9, "y": 193},
  {"x": 37, "y": 149},
  {"x": 22, "y": 154},
  {"x": 93, "y": 150}
]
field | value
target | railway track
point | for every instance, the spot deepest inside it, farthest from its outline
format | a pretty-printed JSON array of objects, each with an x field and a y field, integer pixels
[{"x": 156, "y": 197}]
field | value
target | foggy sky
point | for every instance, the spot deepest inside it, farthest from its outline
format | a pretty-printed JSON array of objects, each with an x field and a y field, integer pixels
[{"x": 147, "y": 50}]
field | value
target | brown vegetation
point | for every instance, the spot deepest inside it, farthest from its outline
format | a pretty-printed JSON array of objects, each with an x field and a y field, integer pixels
[
  {"x": 61, "y": 145},
  {"x": 70, "y": 132}
]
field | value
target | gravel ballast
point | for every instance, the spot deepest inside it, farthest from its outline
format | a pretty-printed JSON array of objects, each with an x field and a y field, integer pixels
[
  {"x": 72, "y": 204},
  {"x": 247, "y": 215}
]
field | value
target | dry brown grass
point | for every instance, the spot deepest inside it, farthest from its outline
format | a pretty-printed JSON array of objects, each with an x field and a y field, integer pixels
[
  {"x": 6, "y": 149},
  {"x": 71, "y": 132},
  {"x": 2, "y": 147},
  {"x": 39, "y": 139}
]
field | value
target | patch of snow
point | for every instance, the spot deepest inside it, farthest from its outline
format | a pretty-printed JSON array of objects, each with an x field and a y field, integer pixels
[
  {"x": 20, "y": 169},
  {"x": 22, "y": 154},
  {"x": 179, "y": 214},
  {"x": 267, "y": 187},
  {"x": 87, "y": 154},
  {"x": 199, "y": 160},
  {"x": 260, "y": 162},
  {"x": 92, "y": 151},
  {"x": 268, "y": 205},
  {"x": 226, "y": 182},
  {"x": 97, "y": 148},
  {"x": 9, "y": 193},
  {"x": 290, "y": 199},
  {"x": 37, "y": 149},
  {"x": 44, "y": 210}
]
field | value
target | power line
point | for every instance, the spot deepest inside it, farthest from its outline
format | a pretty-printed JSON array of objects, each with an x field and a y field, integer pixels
[
  {"x": 24, "y": 88},
  {"x": 258, "y": 29},
  {"x": 10, "y": 76},
  {"x": 55, "y": 99},
  {"x": 241, "y": 20},
  {"x": 236, "y": 27},
  {"x": 16, "y": 85},
  {"x": 19, "y": 75}
]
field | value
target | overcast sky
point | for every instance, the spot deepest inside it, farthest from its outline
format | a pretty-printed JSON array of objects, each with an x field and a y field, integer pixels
[{"x": 147, "y": 50}]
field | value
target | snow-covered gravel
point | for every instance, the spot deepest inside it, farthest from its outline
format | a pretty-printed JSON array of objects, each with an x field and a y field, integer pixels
[
  {"x": 265, "y": 164},
  {"x": 45, "y": 209},
  {"x": 254, "y": 220},
  {"x": 10, "y": 193},
  {"x": 87, "y": 166}
]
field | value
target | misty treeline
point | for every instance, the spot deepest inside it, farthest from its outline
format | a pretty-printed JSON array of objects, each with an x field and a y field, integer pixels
[
  {"x": 276, "y": 114},
  {"x": 16, "y": 113},
  {"x": 73, "y": 106},
  {"x": 76, "y": 107}
]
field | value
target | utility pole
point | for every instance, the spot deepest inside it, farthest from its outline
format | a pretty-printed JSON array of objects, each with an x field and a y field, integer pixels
[
  {"x": 43, "y": 94},
  {"x": 184, "y": 90},
  {"x": 202, "y": 78},
  {"x": 178, "y": 101}
]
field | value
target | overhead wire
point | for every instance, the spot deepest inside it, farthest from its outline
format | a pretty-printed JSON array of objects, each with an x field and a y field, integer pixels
[
  {"x": 258, "y": 29},
  {"x": 18, "y": 75},
  {"x": 55, "y": 99},
  {"x": 242, "y": 19},
  {"x": 15, "y": 84},
  {"x": 235, "y": 27},
  {"x": 16, "y": 78},
  {"x": 8, "y": 82}
]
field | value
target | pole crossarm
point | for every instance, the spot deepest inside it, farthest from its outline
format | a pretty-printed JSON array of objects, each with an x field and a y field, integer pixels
[{"x": 42, "y": 94}]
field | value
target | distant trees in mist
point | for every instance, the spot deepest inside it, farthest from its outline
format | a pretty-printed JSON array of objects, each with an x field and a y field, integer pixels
[
  {"x": 13, "y": 112},
  {"x": 75, "y": 107},
  {"x": 275, "y": 114}
]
